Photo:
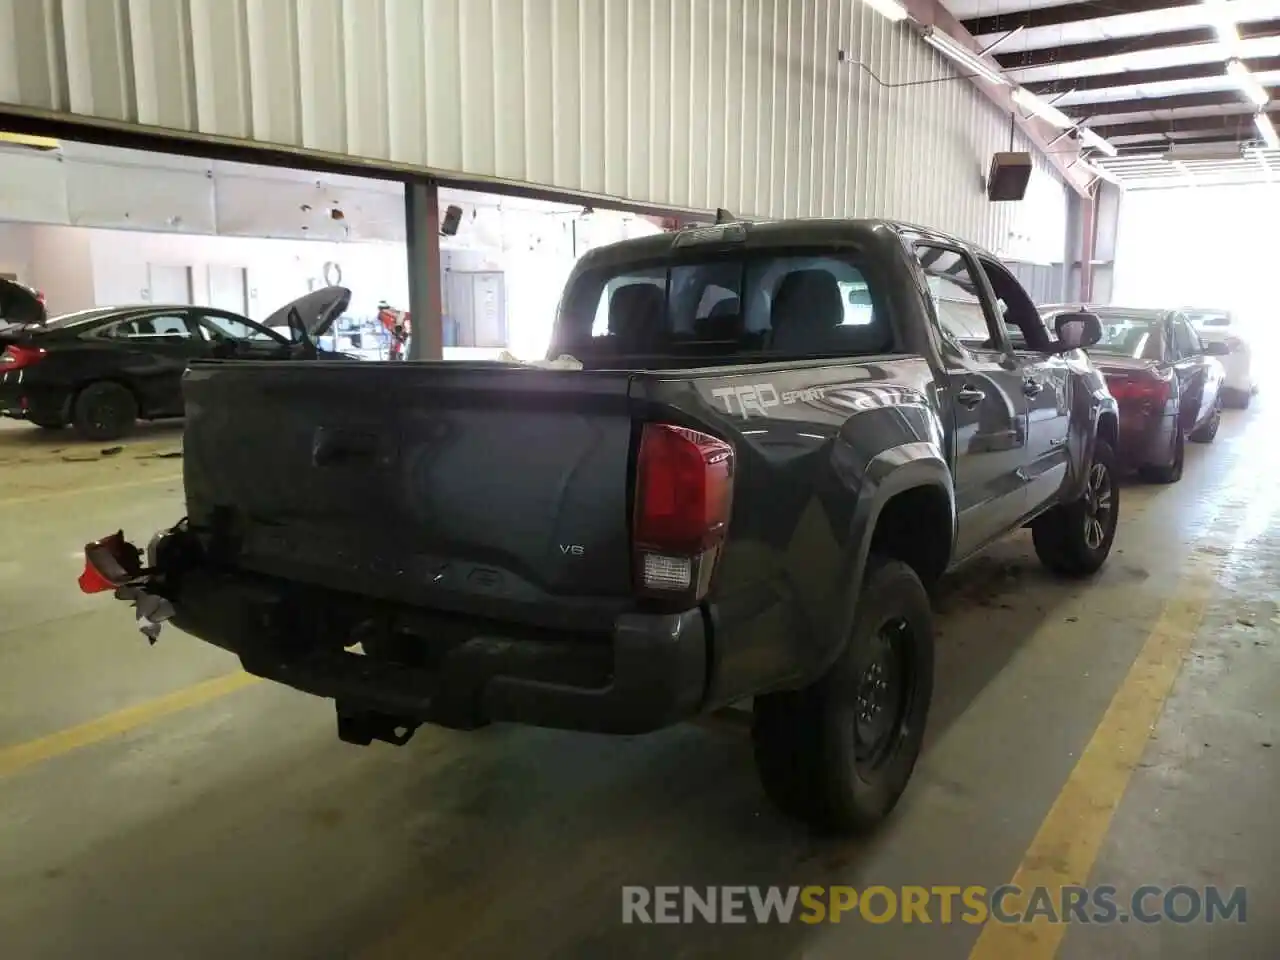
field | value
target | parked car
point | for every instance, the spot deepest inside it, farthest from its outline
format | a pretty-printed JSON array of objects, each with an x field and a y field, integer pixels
[
  {"x": 1167, "y": 382},
  {"x": 1222, "y": 326},
  {"x": 101, "y": 370},
  {"x": 781, "y": 434}
]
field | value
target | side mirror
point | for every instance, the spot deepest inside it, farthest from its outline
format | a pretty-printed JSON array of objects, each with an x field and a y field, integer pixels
[
  {"x": 1077, "y": 330},
  {"x": 1216, "y": 348}
]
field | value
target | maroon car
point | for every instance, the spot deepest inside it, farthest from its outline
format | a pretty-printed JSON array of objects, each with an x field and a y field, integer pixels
[{"x": 1166, "y": 382}]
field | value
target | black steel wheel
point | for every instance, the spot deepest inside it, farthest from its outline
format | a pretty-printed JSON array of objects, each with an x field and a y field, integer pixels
[{"x": 839, "y": 753}]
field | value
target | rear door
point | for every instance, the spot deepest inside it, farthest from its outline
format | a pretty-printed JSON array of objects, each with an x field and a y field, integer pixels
[
  {"x": 985, "y": 394},
  {"x": 154, "y": 350}
]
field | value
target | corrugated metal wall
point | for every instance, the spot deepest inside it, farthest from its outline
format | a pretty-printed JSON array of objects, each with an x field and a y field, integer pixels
[{"x": 689, "y": 103}]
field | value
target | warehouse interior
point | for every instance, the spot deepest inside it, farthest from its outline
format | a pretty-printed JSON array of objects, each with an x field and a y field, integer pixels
[{"x": 1098, "y": 758}]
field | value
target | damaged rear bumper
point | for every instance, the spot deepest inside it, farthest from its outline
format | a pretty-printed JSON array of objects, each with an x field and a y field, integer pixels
[{"x": 417, "y": 666}]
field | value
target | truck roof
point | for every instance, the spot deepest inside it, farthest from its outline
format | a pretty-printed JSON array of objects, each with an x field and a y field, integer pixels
[{"x": 769, "y": 233}]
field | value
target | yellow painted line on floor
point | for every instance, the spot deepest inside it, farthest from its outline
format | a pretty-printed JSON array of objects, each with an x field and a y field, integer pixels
[
  {"x": 22, "y": 755},
  {"x": 85, "y": 491},
  {"x": 1067, "y": 844}
]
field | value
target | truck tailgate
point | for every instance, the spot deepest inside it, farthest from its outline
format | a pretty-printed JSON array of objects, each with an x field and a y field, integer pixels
[{"x": 462, "y": 487}]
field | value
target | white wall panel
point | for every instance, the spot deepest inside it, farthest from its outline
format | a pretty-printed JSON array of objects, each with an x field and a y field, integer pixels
[{"x": 688, "y": 103}]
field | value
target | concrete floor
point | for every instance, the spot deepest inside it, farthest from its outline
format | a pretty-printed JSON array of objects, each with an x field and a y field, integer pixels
[{"x": 149, "y": 809}]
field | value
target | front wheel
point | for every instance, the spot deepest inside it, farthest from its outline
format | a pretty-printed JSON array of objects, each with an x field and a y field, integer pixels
[
  {"x": 838, "y": 754},
  {"x": 1074, "y": 539}
]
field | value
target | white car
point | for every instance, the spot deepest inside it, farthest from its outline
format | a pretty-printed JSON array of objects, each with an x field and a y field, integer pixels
[{"x": 1221, "y": 326}]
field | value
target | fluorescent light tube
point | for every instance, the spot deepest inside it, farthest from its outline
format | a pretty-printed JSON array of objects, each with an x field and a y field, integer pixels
[
  {"x": 1025, "y": 98},
  {"x": 888, "y": 8},
  {"x": 1247, "y": 83},
  {"x": 963, "y": 56},
  {"x": 1267, "y": 131},
  {"x": 1089, "y": 138}
]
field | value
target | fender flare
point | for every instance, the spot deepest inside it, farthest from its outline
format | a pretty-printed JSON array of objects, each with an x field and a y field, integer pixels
[{"x": 896, "y": 470}]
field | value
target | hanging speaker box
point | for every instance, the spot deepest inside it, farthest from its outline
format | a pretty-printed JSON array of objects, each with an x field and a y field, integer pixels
[{"x": 1010, "y": 173}]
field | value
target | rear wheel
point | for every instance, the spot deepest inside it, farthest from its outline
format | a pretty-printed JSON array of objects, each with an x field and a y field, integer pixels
[
  {"x": 1172, "y": 472},
  {"x": 1074, "y": 539},
  {"x": 838, "y": 754},
  {"x": 1209, "y": 429},
  {"x": 104, "y": 411}
]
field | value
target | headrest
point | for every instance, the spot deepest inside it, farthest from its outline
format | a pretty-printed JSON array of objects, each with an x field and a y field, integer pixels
[
  {"x": 636, "y": 315},
  {"x": 806, "y": 308}
]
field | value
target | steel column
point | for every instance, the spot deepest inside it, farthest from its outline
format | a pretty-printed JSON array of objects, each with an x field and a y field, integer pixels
[{"x": 422, "y": 244}]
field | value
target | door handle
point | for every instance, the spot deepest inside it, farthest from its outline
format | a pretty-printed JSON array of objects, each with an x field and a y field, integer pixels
[
  {"x": 970, "y": 396},
  {"x": 1032, "y": 387}
]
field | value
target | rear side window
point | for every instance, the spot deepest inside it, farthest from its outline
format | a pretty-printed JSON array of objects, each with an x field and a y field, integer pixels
[
  {"x": 162, "y": 327},
  {"x": 764, "y": 306}
]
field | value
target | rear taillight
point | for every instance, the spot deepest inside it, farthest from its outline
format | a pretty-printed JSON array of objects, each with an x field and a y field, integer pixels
[
  {"x": 16, "y": 356},
  {"x": 1150, "y": 389},
  {"x": 684, "y": 495}
]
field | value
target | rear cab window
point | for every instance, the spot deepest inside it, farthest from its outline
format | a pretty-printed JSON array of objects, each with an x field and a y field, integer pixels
[{"x": 738, "y": 306}]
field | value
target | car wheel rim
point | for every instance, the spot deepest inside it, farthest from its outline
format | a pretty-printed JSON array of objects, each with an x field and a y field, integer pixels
[
  {"x": 1099, "y": 502},
  {"x": 884, "y": 692}
]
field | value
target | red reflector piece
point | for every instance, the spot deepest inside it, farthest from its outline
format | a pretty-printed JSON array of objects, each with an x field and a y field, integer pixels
[
  {"x": 109, "y": 563},
  {"x": 684, "y": 490},
  {"x": 91, "y": 581}
]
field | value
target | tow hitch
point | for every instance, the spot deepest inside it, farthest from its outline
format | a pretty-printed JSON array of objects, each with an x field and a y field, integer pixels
[{"x": 362, "y": 727}]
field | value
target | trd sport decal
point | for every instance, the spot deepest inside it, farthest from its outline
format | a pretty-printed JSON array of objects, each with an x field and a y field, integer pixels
[{"x": 756, "y": 398}]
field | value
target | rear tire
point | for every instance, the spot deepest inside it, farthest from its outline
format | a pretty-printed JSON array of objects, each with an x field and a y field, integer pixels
[
  {"x": 1209, "y": 429},
  {"x": 104, "y": 411},
  {"x": 1171, "y": 473},
  {"x": 838, "y": 754},
  {"x": 1074, "y": 539}
]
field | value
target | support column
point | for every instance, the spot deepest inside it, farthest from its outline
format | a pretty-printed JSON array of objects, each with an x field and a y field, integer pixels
[{"x": 422, "y": 243}]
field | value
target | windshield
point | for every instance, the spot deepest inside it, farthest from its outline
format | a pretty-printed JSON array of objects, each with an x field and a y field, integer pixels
[
  {"x": 1138, "y": 337},
  {"x": 749, "y": 305}
]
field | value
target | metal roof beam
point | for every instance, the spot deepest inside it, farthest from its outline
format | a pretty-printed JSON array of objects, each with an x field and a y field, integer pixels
[
  {"x": 1085, "y": 112},
  {"x": 1239, "y": 126},
  {"x": 1136, "y": 78},
  {"x": 1119, "y": 46},
  {"x": 1067, "y": 13}
]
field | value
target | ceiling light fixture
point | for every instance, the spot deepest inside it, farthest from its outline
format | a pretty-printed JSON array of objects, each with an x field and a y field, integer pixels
[
  {"x": 962, "y": 55},
  {"x": 891, "y": 9},
  {"x": 1247, "y": 83},
  {"x": 1042, "y": 108},
  {"x": 1267, "y": 131},
  {"x": 1089, "y": 138}
]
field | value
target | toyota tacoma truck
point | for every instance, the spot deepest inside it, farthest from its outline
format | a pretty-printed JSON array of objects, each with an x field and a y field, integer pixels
[{"x": 775, "y": 439}]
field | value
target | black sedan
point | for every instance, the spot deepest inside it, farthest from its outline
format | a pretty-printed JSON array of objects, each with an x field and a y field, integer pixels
[
  {"x": 1167, "y": 383},
  {"x": 102, "y": 370}
]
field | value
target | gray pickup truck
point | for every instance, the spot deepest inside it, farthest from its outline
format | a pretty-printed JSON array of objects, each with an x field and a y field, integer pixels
[{"x": 781, "y": 435}]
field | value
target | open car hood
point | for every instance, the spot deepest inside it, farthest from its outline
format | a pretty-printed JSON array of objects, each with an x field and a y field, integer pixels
[
  {"x": 20, "y": 305},
  {"x": 318, "y": 310}
]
